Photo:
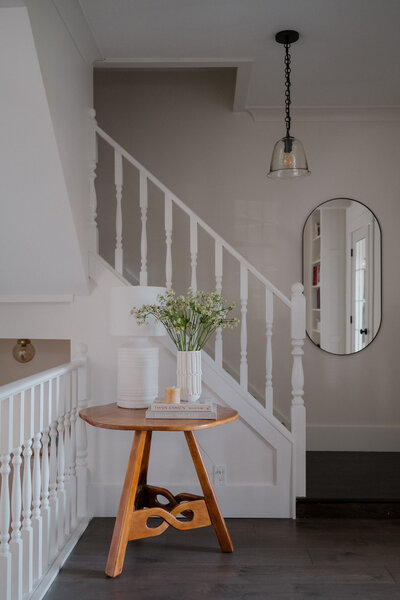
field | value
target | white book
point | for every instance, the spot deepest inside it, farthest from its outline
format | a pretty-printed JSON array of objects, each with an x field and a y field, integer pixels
[
  {"x": 202, "y": 405},
  {"x": 182, "y": 414}
]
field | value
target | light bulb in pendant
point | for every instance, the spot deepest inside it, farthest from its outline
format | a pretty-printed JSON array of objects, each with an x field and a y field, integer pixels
[{"x": 287, "y": 160}]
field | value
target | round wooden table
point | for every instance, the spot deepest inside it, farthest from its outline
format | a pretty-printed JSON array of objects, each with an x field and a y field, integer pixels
[{"x": 139, "y": 501}]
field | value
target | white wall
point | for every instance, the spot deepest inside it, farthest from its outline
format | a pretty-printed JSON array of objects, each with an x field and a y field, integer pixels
[
  {"x": 48, "y": 354},
  {"x": 180, "y": 126},
  {"x": 67, "y": 73},
  {"x": 39, "y": 249}
]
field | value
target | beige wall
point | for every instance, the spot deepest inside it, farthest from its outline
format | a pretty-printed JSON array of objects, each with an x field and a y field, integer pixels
[
  {"x": 49, "y": 353},
  {"x": 180, "y": 126}
]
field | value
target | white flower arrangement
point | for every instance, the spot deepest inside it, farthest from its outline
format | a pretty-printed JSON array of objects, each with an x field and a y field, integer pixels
[{"x": 189, "y": 320}]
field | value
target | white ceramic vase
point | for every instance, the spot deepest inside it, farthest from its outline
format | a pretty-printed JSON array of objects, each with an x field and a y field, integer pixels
[{"x": 188, "y": 373}]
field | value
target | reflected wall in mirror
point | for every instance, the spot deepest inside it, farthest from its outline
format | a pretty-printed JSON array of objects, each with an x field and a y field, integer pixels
[{"x": 342, "y": 275}]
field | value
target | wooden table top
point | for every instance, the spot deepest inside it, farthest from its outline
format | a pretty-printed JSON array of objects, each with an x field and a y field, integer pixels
[{"x": 111, "y": 416}]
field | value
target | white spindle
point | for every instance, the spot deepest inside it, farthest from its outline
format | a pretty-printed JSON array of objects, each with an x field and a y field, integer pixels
[
  {"x": 16, "y": 541},
  {"x": 67, "y": 476},
  {"x": 61, "y": 468},
  {"x": 143, "y": 240},
  {"x": 27, "y": 533},
  {"x": 193, "y": 252},
  {"x": 168, "y": 241},
  {"x": 269, "y": 321},
  {"x": 118, "y": 219},
  {"x": 218, "y": 288},
  {"x": 243, "y": 331},
  {"x": 74, "y": 414},
  {"x": 81, "y": 439},
  {"x": 5, "y": 555},
  {"x": 298, "y": 411},
  {"x": 36, "y": 514},
  {"x": 53, "y": 498},
  {"x": 45, "y": 500},
  {"x": 92, "y": 151}
]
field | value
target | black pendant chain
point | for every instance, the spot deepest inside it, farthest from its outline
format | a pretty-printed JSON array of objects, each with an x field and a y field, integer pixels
[{"x": 287, "y": 90}]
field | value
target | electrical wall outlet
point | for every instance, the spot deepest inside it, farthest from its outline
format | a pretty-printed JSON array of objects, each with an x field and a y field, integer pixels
[{"x": 219, "y": 474}]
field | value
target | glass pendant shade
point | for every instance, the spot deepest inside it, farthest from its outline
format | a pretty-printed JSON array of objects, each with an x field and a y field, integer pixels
[{"x": 288, "y": 159}]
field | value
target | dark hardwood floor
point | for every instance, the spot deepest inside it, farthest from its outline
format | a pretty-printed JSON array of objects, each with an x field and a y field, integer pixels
[{"x": 273, "y": 559}]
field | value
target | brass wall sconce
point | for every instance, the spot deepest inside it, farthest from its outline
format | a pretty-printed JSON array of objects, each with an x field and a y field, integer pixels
[{"x": 23, "y": 351}]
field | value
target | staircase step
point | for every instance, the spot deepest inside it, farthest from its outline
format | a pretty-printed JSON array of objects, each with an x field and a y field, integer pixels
[{"x": 346, "y": 508}]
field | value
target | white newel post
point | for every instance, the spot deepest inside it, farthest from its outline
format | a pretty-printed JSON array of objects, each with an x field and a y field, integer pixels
[
  {"x": 118, "y": 217},
  {"x": 269, "y": 321},
  {"x": 193, "y": 252},
  {"x": 298, "y": 411},
  {"x": 92, "y": 159},
  {"x": 81, "y": 438},
  {"x": 218, "y": 289},
  {"x": 143, "y": 200},
  {"x": 168, "y": 241}
]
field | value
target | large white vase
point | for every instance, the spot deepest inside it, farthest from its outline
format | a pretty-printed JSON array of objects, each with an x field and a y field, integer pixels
[{"x": 188, "y": 373}]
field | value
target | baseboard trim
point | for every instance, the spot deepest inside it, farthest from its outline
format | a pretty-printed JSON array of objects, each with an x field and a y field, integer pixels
[
  {"x": 49, "y": 576},
  {"x": 364, "y": 438}
]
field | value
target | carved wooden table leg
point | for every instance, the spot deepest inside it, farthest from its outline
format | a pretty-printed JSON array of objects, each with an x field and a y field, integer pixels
[
  {"x": 216, "y": 517},
  {"x": 137, "y": 468}
]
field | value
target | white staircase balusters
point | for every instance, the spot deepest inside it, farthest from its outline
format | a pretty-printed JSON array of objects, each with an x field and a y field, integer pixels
[
  {"x": 81, "y": 437},
  {"x": 93, "y": 157},
  {"x": 67, "y": 476},
  {"x": 5, "y": 555},
  {"x": 61, "y": 464},
  {"x": 16, "y": 540},
  {"x": 172, "y": 202},
  {"x": 27, "y": 407},
  {"x": 218, "y": 289},
  {"x": 298, "y": 413},
  {"x": 53, "y": 498},
  {"x": 243, "y": 329},
  {"x": 45, "y": 507},
  {"x": 269, "y": 321},
  {"x": 143, "y": 200},
  {"x": 118, "y": 218},
  {"x": 36, "y": 514},
  {"x": 193, "y": 252},
  {"x": 74, "y": 415},
  {"x": 27, "y": 532},
  {"x": 168, "y": 241}
]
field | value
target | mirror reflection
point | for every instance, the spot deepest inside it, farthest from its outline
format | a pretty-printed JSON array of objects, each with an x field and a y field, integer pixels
[{"x": 342, "y": 275}]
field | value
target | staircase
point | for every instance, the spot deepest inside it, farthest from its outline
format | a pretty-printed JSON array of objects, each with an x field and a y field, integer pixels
[{"x": 232, "y": 386}]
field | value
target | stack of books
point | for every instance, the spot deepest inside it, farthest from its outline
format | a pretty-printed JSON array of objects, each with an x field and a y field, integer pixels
[{"x": 204, "y": 409}]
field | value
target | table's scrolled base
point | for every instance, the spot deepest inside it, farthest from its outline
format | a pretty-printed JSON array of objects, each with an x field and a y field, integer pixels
[{"x": 139, "y": 502}]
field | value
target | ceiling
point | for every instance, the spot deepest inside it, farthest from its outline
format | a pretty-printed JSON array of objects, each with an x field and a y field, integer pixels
[{"x": 348, "y": 53}]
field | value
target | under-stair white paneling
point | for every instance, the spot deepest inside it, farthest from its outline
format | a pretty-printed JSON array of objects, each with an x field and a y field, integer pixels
[
  {"x": 40, "y": 250},
  {"x": 255, "y": 468}
]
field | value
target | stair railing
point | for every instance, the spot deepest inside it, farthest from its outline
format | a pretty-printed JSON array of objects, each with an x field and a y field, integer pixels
[
  {"x": 40, "y": 433},
  {"x": 296, "y": 304}
]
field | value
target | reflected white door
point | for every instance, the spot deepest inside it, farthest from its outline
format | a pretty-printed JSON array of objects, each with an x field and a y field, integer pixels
[{"x": 361, "y": 286}]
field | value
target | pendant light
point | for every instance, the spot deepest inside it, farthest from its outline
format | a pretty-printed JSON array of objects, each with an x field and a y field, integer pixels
[{"x": 288, "y": 158}]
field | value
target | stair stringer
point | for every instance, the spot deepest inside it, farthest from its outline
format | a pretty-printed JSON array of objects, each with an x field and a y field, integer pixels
[{"x": 271, "y": 499}]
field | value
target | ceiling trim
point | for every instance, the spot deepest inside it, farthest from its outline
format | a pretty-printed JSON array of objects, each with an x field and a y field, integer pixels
[
  {"x": 243, "y": 70},
  {"x": 327, "y": 113}
]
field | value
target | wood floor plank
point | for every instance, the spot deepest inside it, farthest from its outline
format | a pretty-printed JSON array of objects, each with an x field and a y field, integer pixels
[{"x": 273, "y": 559}]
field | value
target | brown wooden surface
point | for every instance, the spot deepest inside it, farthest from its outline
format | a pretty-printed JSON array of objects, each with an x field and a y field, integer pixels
[
  {"x": 119, "y": 540},
  {"x": 111, "y": 416},
  {"x": 217, "y": 519}
]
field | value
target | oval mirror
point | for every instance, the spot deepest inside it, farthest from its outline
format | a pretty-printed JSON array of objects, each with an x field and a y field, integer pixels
[{"x": 342, "y": 275}]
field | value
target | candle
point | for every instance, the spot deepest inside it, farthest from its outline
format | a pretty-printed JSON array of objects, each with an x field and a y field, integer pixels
[{"x": 172, "y": 395}]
